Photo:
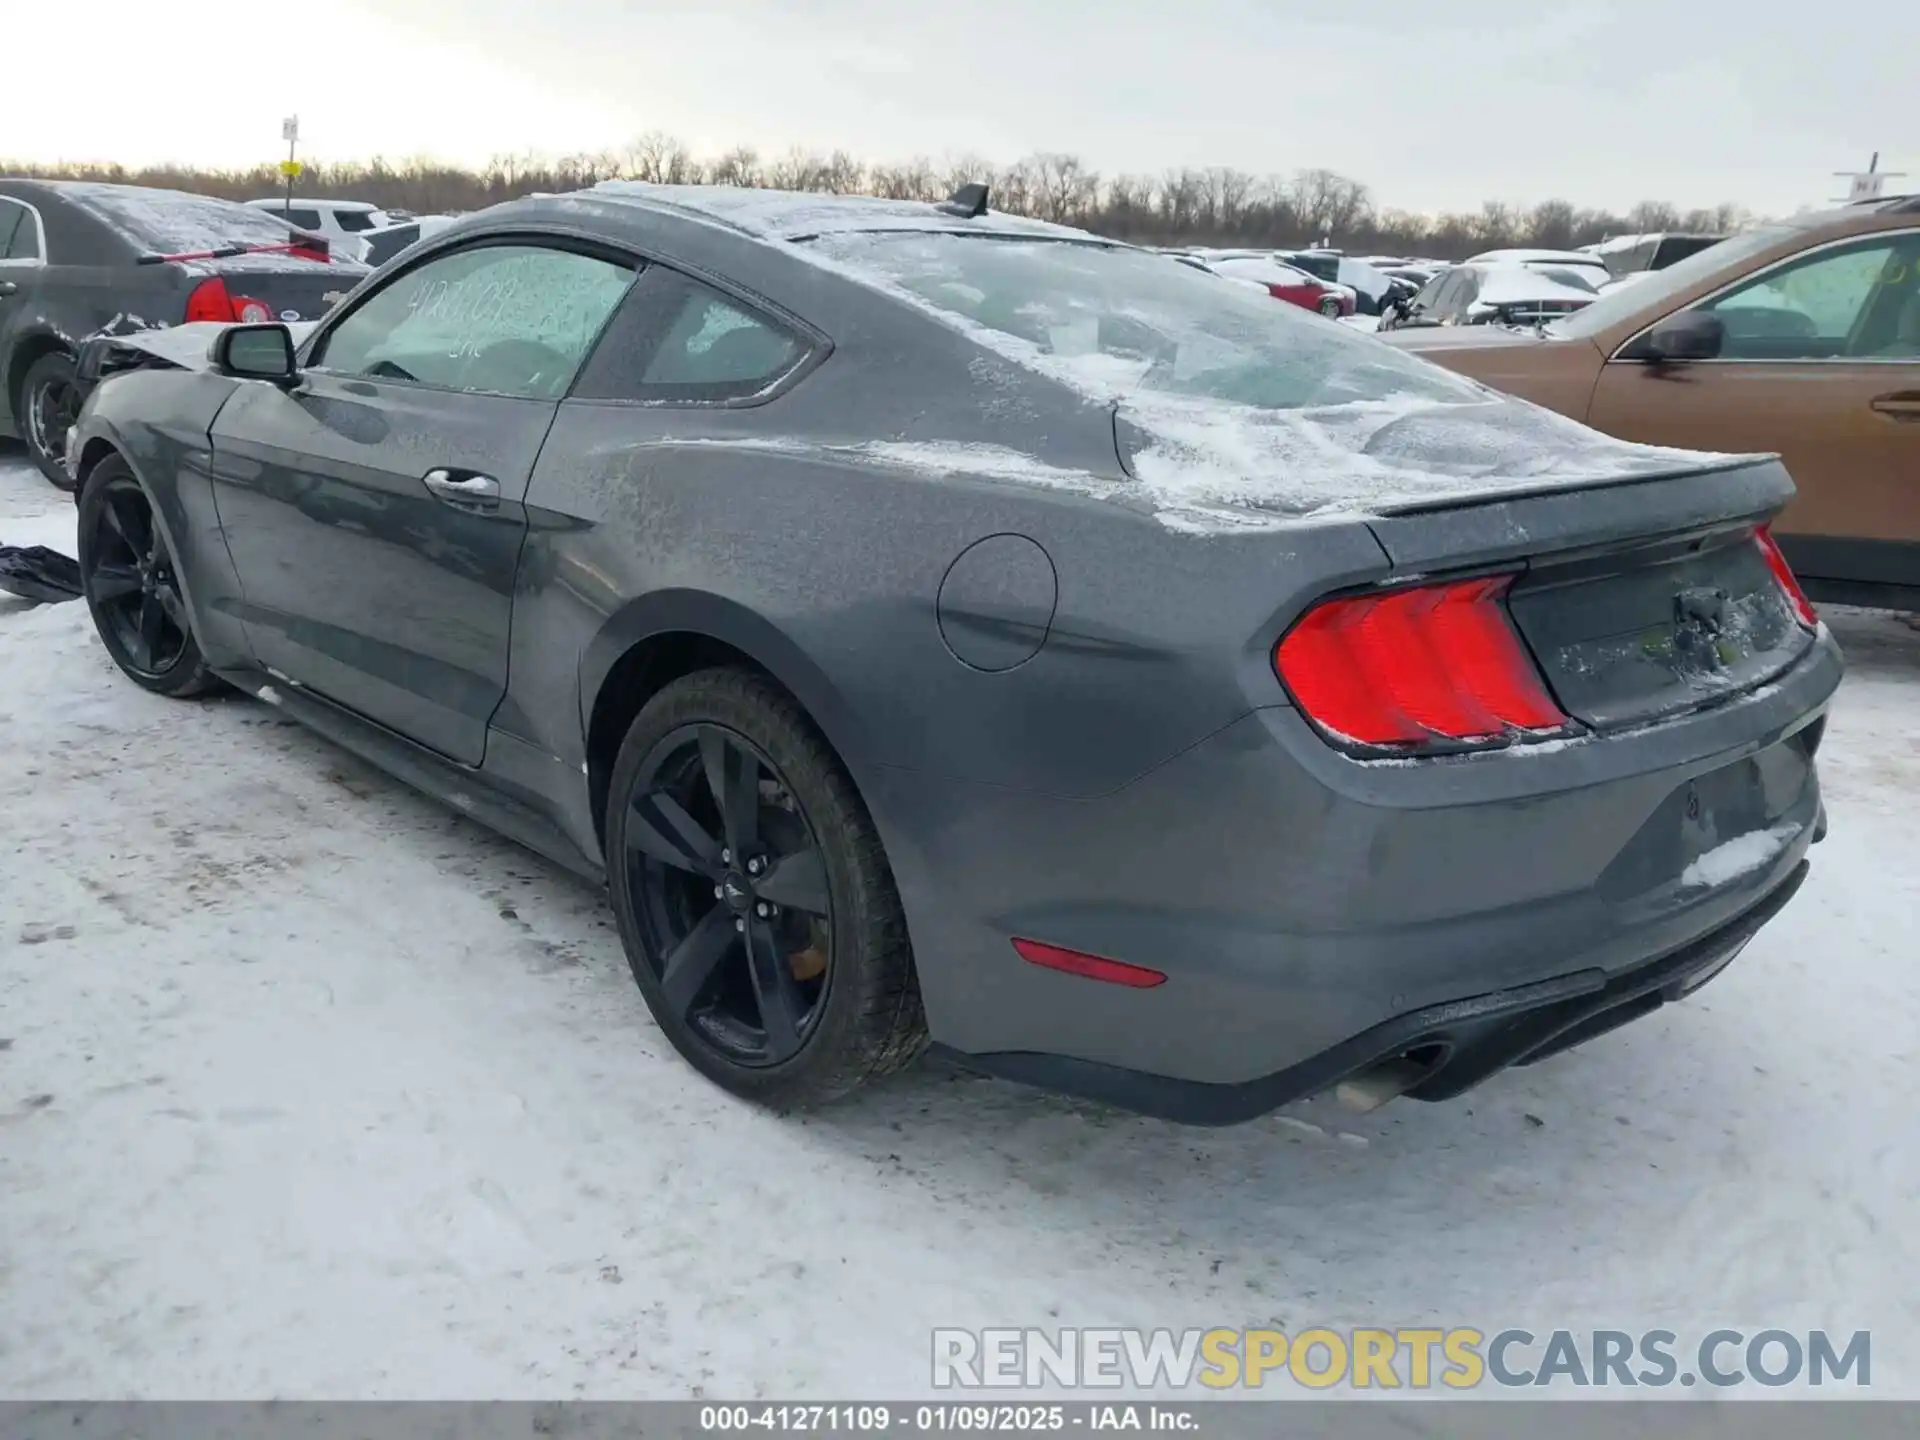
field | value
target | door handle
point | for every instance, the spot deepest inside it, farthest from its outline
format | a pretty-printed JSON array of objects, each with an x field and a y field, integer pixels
[
  {"x": 476, "y": 492},
  {"x": 1900, "y": 405}
]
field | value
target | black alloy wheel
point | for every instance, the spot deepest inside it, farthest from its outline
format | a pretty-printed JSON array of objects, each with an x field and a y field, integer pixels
[
  {"x": 49, "y": 403},
  {"x": 760, "y": 919},
  {"x": 132, "y": 585},
  {"x": 732, "y": 896}
]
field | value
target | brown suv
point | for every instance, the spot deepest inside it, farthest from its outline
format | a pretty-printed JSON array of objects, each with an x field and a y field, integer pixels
[{"x": 1801, "y": 338}]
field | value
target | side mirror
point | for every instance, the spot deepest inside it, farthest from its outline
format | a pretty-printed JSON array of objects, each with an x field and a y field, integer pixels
[
  {"x": 256, "y": 352},
  {"x": 1689, "y": 335}
]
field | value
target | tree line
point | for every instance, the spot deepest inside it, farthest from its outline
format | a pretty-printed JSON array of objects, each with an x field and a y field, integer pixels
[{"x": 1212, "y": 205}]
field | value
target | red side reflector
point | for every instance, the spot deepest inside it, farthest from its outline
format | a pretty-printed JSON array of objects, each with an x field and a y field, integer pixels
[
  {"x": 1407, "y": 667},
  {"x": 210, "y": 301},
  {"x": 1093, "y": 967},
  {"x": 1783, "y": 573}
]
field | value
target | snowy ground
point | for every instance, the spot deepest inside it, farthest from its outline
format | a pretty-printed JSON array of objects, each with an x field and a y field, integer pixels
[{"x": 309, "y": 1088}]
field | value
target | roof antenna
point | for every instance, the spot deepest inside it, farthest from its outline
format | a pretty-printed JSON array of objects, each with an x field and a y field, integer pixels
[{"x": 969, "y": 202}]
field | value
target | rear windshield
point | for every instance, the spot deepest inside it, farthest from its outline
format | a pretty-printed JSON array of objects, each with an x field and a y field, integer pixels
[
  {"x": 172, "y": 222},
  {"x": 1114, "y": 321}
]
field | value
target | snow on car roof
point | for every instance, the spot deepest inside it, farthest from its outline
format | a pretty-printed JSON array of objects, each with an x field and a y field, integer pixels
[
  {"x": 792, "y": 215},
  {"x": 1530, "y": 257}
]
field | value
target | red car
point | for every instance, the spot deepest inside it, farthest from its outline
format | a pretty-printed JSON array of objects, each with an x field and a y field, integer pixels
[{"x": 1281, "y": 280}]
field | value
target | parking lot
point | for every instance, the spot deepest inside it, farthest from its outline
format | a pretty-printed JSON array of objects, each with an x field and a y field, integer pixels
[{"x": 309, "y": 1087}]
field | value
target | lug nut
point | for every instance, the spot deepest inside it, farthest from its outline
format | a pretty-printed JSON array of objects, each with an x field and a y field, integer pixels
[
  {"x": 726, "y": 857},
  {"x": 761, "y": 910},
  {"x": 740, "y": 925},
  {"x": 756, "y": 865},
  {"x": 719, "y": 892}
]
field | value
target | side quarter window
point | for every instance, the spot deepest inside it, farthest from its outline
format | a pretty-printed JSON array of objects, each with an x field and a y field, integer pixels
[
  {"x": 676, "y": 339},
  {"x": 19, "y": 233},
  {"x": 506, "y": 319}
]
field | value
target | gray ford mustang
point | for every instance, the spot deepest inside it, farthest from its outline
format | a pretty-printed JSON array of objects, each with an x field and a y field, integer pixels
[{"x": 940, "y": 626}]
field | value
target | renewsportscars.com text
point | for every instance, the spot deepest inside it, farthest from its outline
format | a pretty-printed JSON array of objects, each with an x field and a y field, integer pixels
[{"x": 1362, "y": 1358}]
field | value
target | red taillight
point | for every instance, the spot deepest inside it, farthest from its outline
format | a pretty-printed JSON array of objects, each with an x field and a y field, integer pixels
[
  {"x": 1783, "y": 572},
  {"x": 1093, "y": 967},
  {"x": 1408, "y": 667},
  {"x": 210, "y": 301}
]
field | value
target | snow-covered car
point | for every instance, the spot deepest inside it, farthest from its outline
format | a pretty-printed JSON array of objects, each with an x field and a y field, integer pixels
[
  {"x": 81, "y": 257},
  {"x": 1280, "y": 280},
  {"x": 1588, "y": 268},
  {"x": 343, "y": 222},
  {"x": 1372, "y": 288},
  {"x": 1494, "y": 294}
]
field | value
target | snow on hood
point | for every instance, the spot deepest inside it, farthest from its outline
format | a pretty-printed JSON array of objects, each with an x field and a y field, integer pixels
[{"x": 190, "y": 346}]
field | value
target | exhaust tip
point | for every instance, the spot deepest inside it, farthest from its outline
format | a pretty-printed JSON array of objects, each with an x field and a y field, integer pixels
[{"x": 1367, "y": 1090}]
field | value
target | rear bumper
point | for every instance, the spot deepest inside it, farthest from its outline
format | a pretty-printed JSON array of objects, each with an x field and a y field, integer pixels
[
  {"x": 1306, "y": 907},
  {"x": 1466, "y": 1040}
]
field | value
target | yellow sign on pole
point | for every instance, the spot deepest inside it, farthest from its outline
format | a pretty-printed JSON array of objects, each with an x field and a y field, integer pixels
[{"x": 291, "y": 169}]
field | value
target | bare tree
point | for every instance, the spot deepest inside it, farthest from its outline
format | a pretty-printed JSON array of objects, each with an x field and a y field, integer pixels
[{"x": 739, "y": 166}]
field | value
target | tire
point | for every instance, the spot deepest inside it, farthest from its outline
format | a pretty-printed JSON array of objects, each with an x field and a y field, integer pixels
[
  {"x": 44, "y": 409},
  {"x": 679, "y": 893},
  {"x": 1331, "y": 308},
  {"x": 129, "y": 576}
]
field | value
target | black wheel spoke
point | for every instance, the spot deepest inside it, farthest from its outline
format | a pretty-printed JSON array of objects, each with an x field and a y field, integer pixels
[
  {"x": 782, "y": 1007},
  {"x": 796, "y": 882},
  {"x": 114, "y": 582},
  {"x": 694, "y": 959},
  {"x": 661, "y": 828},
  {"x": 130, "y": 522},
  {"x": 173, "y": 606},
  {"x": 733, "y": 774},
  {"x": 153, "y": 629}
]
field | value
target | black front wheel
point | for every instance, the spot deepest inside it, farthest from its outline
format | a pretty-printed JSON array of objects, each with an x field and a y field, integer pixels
[
  {"x": 131, "y": 580},
  {"x": 47, "y": 405},
  {"x": 754, "y": 899}
]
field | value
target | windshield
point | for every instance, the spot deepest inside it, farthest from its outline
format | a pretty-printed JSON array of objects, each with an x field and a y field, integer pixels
[
  {"x": 1114, "y": 321},
  {"x": 1627, "y": 301}
]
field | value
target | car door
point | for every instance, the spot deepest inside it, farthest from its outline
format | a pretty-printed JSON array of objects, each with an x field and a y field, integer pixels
[
  {"x": 375, "y": 511},
  {"x": 1821, "y": 363},
  {"x": 21, "y": 263}
]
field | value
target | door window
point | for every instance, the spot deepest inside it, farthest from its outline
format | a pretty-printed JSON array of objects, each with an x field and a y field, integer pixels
[
  {"x": 1840, "y": 304},
  {"x": 305, "y": 219},
  {"x": 503, "y": 319}
]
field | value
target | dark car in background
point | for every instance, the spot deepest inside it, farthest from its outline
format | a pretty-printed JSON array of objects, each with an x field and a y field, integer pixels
[
  {"x": 1639, "y": 254},
  {"x": 77, "y": 258}
]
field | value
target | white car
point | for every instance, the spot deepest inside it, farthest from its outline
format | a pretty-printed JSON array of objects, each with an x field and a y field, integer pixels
[{"x": 343, "y": 222}]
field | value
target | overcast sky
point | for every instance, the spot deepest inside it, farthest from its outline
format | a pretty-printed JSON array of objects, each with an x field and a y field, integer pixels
[{"x": 1435, "y": 106}]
